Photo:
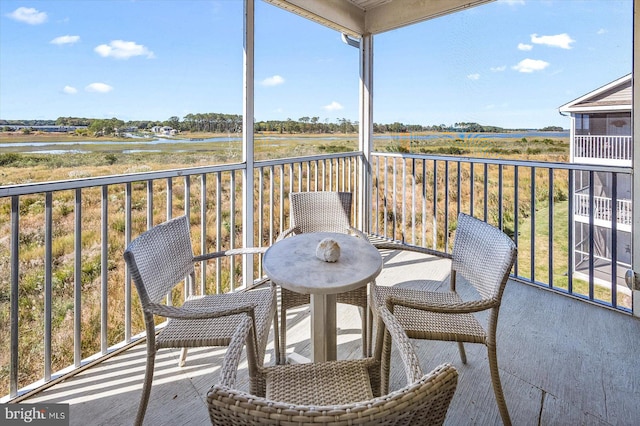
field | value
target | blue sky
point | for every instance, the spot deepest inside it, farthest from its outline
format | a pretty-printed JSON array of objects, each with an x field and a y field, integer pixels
[{"x": 511, "y": 63}]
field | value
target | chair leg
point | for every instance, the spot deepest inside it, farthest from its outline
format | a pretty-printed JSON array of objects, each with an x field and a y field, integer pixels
[
  {"x": 369, "y": 331},
  {"x": 283, "y": 336},
  {"x": 276, "y": 339},
  {"x": 383, "y": 350},
  {"x": 146, "y": 387},
  {"x": 183, "y": 357},
  {"x": 365, "y": 330},
  {"x": 463, "y": 354},
  {"x": 497, "y": 386}
]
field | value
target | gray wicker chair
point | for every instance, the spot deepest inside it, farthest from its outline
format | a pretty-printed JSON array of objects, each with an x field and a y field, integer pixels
[
  {"x": 343, "y": 392},
  {"x": 158, "y": 260},
  {"x": 322, "y": 211},
  {"x": 483, "y": 256}
]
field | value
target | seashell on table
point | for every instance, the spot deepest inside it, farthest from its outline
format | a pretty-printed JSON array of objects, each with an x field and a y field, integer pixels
[{"x": 328, "y": 250}]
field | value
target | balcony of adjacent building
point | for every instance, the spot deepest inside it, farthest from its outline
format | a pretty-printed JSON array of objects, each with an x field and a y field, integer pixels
[{"x": 603, "y": 149}]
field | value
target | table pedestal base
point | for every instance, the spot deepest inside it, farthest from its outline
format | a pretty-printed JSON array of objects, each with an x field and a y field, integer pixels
[{"x": 323, "y": 327}]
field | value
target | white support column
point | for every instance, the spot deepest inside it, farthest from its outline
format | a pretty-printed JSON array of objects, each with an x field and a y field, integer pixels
[
  {"x": 635, "y": 113},
  {"x": 366, "y": 131},
  {"x": 247, "y": 139}
]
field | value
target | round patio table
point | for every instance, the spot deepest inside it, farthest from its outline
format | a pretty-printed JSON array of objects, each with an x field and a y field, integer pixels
[{"x": 292, "y": 264}]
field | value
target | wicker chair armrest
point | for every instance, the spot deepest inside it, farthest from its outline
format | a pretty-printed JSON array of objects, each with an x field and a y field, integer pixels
[
  {"x": 246, "y": 250},
  {"x": 179, "y": 312},
  {"x": 389, "y": 245},
  {"x": 440, "y": 383},
  {"x": 229, "y": 370},
  {"x": 259, "y": 284},
  {"x": 209, "y": 256},
  {"x": 358, "y": 233},
  {"x": 444, "y": 308},
  {"x": 287, "y": 232},
  {"x": 230, "y": 252},
  {"x": 410, "y": 361}
]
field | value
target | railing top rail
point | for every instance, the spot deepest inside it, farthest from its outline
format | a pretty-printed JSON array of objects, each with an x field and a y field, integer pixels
[
  {"x": 604, "y": 136},
  {"x": 289, "y": 160},
  {"x": 520, "y": 163},
  {"x": 70, "y": 184}
]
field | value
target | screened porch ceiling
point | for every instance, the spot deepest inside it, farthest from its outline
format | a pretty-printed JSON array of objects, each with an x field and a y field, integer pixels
[{"x": 358, "y": 17}]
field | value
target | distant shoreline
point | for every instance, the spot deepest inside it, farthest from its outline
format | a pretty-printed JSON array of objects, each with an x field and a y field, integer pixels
[{"x": 51, "y": 137}]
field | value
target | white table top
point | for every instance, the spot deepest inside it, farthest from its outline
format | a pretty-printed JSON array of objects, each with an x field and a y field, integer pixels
[{"x": 292, "y": 264}]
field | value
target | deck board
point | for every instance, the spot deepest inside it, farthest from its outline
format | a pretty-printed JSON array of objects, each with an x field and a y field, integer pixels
[{"x": 562, "y": 361}]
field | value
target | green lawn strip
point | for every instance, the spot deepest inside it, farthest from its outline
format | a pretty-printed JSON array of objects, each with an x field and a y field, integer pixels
[{"x": 560, "y": 246}]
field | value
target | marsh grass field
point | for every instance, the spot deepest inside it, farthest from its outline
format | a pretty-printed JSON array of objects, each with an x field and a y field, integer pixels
[
  {"x": 21, "y": 163},
  {"x": 127, "y": 156}
]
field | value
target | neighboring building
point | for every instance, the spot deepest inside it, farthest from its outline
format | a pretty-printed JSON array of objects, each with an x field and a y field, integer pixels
[
  {"x": 164, "y": 131},
  {"x": 601, "y": 134}
]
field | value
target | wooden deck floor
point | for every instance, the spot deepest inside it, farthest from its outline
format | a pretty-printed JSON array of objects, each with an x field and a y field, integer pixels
[{"x": 562, "y": 361}]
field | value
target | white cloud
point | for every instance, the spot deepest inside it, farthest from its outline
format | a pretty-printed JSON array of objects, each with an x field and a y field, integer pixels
[
  {"x": 67, "y": 39},
  {"x": 275, "y": 80},
  {"x": 530, "y": 65},
  {"x": 121, "y": 49},
  {"x": 28, "y": 15},
  {"x": 525, "y": 47},
  {"x": 333, "y": 106},
  {"x": 498, "y": 69},
  {"x": 70, "y": 90},
  {"x": 473, "y": 76},
  {"x": 512, "y": 2},
  {"x": 601, "y": 31},
  {"x": 562, "y": 41},
  {"x": 98, "y": 88}
]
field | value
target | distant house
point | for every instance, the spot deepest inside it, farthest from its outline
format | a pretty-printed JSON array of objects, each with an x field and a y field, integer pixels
[
  {"x": 601, "y": 134},
  {"x": 164, "y": 130}
]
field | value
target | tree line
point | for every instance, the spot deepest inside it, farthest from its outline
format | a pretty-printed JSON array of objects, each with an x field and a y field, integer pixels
[{"x": 232, "y": 123}]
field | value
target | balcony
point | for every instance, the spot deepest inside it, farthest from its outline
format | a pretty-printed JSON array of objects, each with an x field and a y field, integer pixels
[
  {"x": 603, "y": 211},
  {"x": 562, "y": 361},
  {"x": 71, "y": 327},
  {"x": 603, "y": 149},
  {"x": 63, "y": 258}
]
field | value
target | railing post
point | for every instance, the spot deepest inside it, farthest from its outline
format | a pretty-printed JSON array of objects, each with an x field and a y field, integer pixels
[
  {"x": 15, "y": 265},
  {"x": 48, "y": 287},
  {"x": 365, "y": 183},
  {"x": 635, "y": 226},
  {"x": 248, "y": 140}
]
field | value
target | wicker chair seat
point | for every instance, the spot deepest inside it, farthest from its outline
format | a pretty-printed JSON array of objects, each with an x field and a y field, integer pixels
[
  {"x": 356, "y": 297},
  {"x": 419, "y": 324},
  {"x": 344, "y": 392},
  {"x": 179, "y": 333},
  {"x": 407, "y": 406},
  {"x": 334, "y": 382}
]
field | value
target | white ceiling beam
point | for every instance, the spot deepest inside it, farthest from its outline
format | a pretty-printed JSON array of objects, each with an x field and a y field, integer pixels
[
  {"x": 396, "y": 14},
  {"x": 340, "y": 15}
]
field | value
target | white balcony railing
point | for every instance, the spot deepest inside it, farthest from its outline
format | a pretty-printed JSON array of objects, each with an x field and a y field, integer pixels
[
  {"x": 63, "y": 282},
  {"x": 602, "y": 208},
  {"x": 614, "y": 150}
]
